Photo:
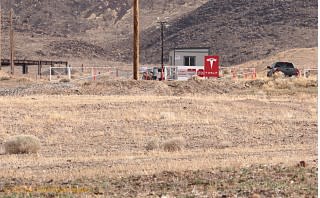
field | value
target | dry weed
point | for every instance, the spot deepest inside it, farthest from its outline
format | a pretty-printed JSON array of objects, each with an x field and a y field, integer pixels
[
  {"x": 278, "y": 75},
  {"x": 2, "y": 151},
  {"x": 167, "y": 116},
  {"x": 152, "y": 145},
  {"x": 197, "y": 78},
  {"x": 255, "y": 196},
  {"x": 283, "y": 83},
  {"x": 87, "y": 83},
  {"x": 22, "y": 144},
  {"x": 24, "y": 79},
  {"x": 174, "y": 144},
  {"x": 64, "y": 80},
  {"x": 289, "y": 83},
  {"x": 225, "y": 144},
  {"x": 304, "y": 82},
  {"x": 3, "y": 78}
]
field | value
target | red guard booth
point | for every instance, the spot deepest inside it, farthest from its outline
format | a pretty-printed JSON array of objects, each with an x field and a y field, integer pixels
[{"x": 211, "y": 67}]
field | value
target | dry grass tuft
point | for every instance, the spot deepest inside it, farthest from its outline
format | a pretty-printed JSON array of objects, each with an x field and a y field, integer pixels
[
  {"x": 87, "y": 83},
  {"x": 289, "y": 83},
  {"x": 283, "y": 83},
  {"x": 22, "y": 144},
  {"x": 174, "y": 144},
  {"x": 225, "y": 144},
  {"x": 64, "y": 80},
  {"x": 167, "y": 116},
  {"x": 255, "y": 196},
  {"x": 152, "y": 145},
  {"x": 24, "y": 79},
  {"x": 197, "y": 78},
  {"x": 304, "y": 82},
  {"x": 278, "y": 75},
  {"x": 3, "y": 78},
  {"x": 2, "y": 151}
]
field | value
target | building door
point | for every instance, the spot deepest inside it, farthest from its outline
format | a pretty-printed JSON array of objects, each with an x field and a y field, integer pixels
[{"x": 189, "y": 61}]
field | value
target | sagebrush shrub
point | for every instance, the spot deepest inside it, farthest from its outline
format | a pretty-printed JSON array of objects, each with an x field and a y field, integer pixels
[
  {"x": 64, "y": 80},
  {"x": 152, "y": 145},
  {"x": 22, "y": 144},
  {"x": 3, "y": 78},
  {"x": 174, "y": 144}
]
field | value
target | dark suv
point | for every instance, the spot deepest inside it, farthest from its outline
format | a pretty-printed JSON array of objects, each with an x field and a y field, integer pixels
[{"x": 286, "y": 68}]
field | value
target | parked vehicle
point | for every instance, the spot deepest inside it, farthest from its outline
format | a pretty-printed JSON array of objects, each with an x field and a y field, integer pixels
[
  {"x": 151, "y": 73},
  {"x": 286, "y": 68}
]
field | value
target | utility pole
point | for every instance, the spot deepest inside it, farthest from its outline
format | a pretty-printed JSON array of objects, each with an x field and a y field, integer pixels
[
  {"x": 0, "y": 36},
  {"x": 11, "y": 43},
  {"x": 163, "y": 24},
  {"x": 162, "y": 63},
  {"x": 136, "y": 39}
]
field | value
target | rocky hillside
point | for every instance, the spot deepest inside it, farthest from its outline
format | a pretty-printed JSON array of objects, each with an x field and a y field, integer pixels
[
  {"x": 82, "y": 28},
  {"x": 302, "y": 58},
  {"x": 63, "y": 17},
  {"x": 239, "y": 31}
]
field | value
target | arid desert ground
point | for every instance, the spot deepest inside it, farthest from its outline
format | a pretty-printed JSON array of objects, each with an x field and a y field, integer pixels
[{"x": 107, "y": 138}]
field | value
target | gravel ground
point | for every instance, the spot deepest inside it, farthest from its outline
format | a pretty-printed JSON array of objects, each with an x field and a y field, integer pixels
[
  {"x": 40, "y": 89},
  {"x": 242, "y": 139},
  {"x": 171, "y": 88}
]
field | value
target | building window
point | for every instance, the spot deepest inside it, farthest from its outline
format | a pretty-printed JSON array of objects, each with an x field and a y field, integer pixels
[{"x": 189, "y": 61}]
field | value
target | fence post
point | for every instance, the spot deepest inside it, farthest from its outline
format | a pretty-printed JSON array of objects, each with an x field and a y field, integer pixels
[
  {"x": 50, "y": 73},
  {"x": 255, "y": 73},
  {"x": 40, "y": 70},
  {"x": 234, "y": 73},
  {"x": 165, "y": 73},
  {"x": 69, "y": 73},
  {"x": 92, "y": 74}
]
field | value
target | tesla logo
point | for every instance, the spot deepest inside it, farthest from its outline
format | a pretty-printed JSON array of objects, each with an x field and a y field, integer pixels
[
  {"x": 211, "y": 60},
  {"x": 211, "y": 67}
]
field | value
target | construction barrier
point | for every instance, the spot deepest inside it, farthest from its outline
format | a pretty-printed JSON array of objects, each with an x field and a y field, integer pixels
[{"x": 181, "y": 73}]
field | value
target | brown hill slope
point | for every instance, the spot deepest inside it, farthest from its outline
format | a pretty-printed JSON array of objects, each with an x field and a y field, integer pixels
[
  {"x": 64, "y": 17},
  {"x": 238, "y": 31},
  {"x": 86, "y": 28},
  {"x": 300, "y": 57}
]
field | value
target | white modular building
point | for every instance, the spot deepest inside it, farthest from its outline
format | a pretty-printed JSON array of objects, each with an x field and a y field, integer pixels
[{"x": 193, "y": 56}]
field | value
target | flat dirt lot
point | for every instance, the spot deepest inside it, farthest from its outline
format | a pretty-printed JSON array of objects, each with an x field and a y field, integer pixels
[{"x": 251, "y": 138}]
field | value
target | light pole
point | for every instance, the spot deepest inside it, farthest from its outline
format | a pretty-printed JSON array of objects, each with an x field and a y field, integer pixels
[{"x": 162, "y": 24}]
